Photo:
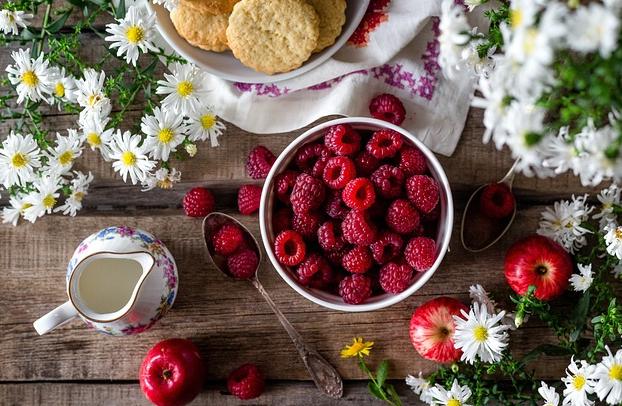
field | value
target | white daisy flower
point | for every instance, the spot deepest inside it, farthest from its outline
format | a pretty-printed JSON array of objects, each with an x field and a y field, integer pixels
[
  {"x": 421, "y": 387},
  {"x": 15, "y": 211},
  {"x": 170, "y": 5},
  {"x": 582, "y": 281},
  {"x": 93, "y": 132},
  {"x": 523, "y": 14},
  {"x": 43, "y": 199},
  {"x": 19, "y": 156},
  {"x": 456, "y": 396},
  {"x": 579, "y": 383},
  {"x": 203, "y": 124},
  {"x": 185, "y": 88},
  {"x": 12, "y": 21},
  {"x": 454, "y": 36},
  {"x": 191, "y": 149},
  {"x": 129, "y": 157},
  {"x": 594, "y": 28},
  {"x": 608, "y": 375},
  {"x": 62, "y": 156},
  {"x": 559, "y": 153},
  {"x": 90, "y": 95},
  {"x": 494, "y": 102},
  {"x": 608, "y": 198},
  {"x": 79, "y": 188},
  {"x": 613, "y": 239},
  {"x": 617, "y": 271},
  {"x": 551, "y": 398},
  {"x": 30, "y": 76},
  {"x": 64, "y": 86},
  {"x": 481, "y": 66},
  {"x": 134, "y": 32},
  {"x": 162, "y": 178},
  {"x": 562, "y": 223},
  {"x": 478, "y": 294},
  {"x": 165, "y": 130},
  {"x": 480, "y": 334},
  {"x": 595, "y": 164}
]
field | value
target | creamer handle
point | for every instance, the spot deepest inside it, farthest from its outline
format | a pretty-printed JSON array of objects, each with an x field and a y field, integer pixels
[{"x": 57, "y": 317}]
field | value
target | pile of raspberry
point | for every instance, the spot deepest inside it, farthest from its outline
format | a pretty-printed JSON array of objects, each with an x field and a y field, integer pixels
[
  {"x": 356, "y": 213},
  {"x": 230, "y": 247}
]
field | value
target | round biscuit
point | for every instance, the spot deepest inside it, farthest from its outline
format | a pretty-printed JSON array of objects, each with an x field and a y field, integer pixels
[
  {"x": 332, "y": 14},
  {"x": 211, "y": 6},
  {"x": 206, "y": 31}
]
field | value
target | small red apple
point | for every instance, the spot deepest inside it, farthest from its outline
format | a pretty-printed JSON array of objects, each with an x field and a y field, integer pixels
[
  {"x": 432, "y": 329},
  {"x": 540, "y": 261},
  {"x": 172, "y": 373}
]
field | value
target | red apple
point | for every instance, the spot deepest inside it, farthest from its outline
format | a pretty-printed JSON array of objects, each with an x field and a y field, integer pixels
[
  {"x": 172, "y": 373},
  {"x": 540, "y": 261},
  {"x": 432, "y": 329}
]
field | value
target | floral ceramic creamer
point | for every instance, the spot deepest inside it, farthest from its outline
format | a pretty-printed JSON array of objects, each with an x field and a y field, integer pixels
[{"x": 120, "y": 281}]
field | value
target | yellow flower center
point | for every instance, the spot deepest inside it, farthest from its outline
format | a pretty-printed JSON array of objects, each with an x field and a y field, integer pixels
[
  {"x": 454, "y": 402},
  {"x": 530, "y": 40},
  {"x": 66, "y": 158},
  {"x": 165, "y": 135},
  {"x": 49, "y": 202},
  {"x": 480, "y": 333},
  {"x": 94, "y": 140},
  {"x": 30, "y": 78},
  {"x": 25, "y": 206},
  {"x": 128, "y": 158},
  {"x": 516, "y": 18},
  {"x": 619, "y": 233},
  {"x": 208, "y": 121},
  {"x": 165, "y": 184},
  {"x": 134, "y": 34},
  {"x": 578, "y": 381},
  {"x": 60, "y": 89},
  {"x": 19, "y": 160},
  {"x": 93, "y": 99},
  {"x": 616, "y": 372},
  {"x": 79, "y": 196},
  {"x": 185, "y": 89}
]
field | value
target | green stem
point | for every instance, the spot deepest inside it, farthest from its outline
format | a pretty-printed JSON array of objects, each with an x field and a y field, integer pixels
[{"x": 46, "y": 19}]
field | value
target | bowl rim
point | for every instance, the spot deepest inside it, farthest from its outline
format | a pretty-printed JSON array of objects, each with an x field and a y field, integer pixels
[{"x": 320, "y": 297}]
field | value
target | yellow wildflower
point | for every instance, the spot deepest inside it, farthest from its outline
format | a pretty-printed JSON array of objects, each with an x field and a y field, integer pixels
[{"x": 358, "y": 348}]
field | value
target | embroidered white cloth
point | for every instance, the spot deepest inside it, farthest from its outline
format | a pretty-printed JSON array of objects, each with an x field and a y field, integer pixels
[{"x": 394, "y": 50}]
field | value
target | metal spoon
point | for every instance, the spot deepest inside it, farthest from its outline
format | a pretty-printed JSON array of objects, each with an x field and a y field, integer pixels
[
  {"x": 479, "y": 231},
  {"x": 323, "y": 374}
]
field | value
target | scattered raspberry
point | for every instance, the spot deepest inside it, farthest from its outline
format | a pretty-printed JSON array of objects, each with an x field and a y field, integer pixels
[
  {"x": 395, "y": 278},
  {"x": 355, "y": 289},
  {"x": 389, "y": 108},
  {"x": 334, "y": 205},
  {"x": 318, "y": 168},
  {"x": 289, "y": 248},
  {"x": 497, "y": 200},
  {"x": 358, "y": 260},
  {"x": 308, "y": 154},
  {"x": 329, "y": 236},
  {"x": 366, "y": 164},
  {"x": 388, "y": 181},
  {"x": 227, "y": 239},
  {"x": 315, "y": 271},
  {"x": 338, "y": 172},
  {"x": 259, "y": 162},
  {"x": 243, "y": 263},
  {"x": 246, "y": 382},
  {"x": 359, "y": 194},
  {"x": 307, "y": 224},
  {"x": 387, "y": 247},
  {"x": 412, "y": 161},
  {"x": 308, "y": 194},
  {"x": 284, "y": 183},
  {"x": 198, "y": 202},
  {"x": 402, "y": 217},
  {"x": 419, "y": 253},
  {"x": 358, "y": 228},
  {"x": 342, "y": 139},
  {"x": 249, "y": 198},
  {"x": 384, "y": 143},
  {"x": 422, "y": 191}
]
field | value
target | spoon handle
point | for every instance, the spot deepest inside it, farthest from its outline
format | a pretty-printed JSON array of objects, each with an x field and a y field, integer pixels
[{"x": 324, "y": 375}]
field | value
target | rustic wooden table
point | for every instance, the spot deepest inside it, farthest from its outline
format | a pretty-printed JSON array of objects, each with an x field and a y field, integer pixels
[{"x": 229, "y": 320}]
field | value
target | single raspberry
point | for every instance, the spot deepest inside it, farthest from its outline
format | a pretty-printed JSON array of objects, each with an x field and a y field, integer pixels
[
  {"x": 366, "y": 164},
  {"x": 308, "y": 154},
  {"x": 307, "y": 224},
  {"x": 395, "y": 278},
  {"x": 227, "y": 239},
  {"x": 335, "y": 256},
  {"x": 334, "y": 205},
  {"x": 422, "y": 191},
  {"x": 358, "y": 228},
  {"x": 198, "y": 202},
  {"x": 359, "y": 194},
  {"x": 318, "y": 168},
  {"x": 289, "y": 248},
  {"x": 387, "y": 247},
  {"x": 412, "y": 161},
  {"x": 432, "y": 216},
  {"x": 243, "y": 263},
  {"x": 402, "y": 217},
  {"x": 388, "y": 181},
  {"x": 284, "y": 183},
  {"x": 384, "y": 143},
  {"x": 355, "y": 289},
  {"x": 329, "y": 236},
  {"x": 497, "y": 200},
  {"x": 358, "y": 260},
  {"x": 419, "y": 253},
  {"x": 308, "y": 194},
  {"x": 315, "y": 271},
  {"x": 249, "y": 198},
  {"x": 342, "y": 139},
  {"x": 246, "y": 382},
  {"x": 338, "y": 172},
  {"x": 259, "y": 162},
  {"x": 282, "y": 220},
  {"x": 388, "y": 108}
]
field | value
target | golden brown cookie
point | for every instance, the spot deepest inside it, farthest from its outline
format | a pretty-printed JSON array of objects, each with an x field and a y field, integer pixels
[
  {"x": 211, "y": 6},
  {"x": 273, "y": 36},
  {"x": 206, "y": 31},
  {"x": 332, "y": 15}
]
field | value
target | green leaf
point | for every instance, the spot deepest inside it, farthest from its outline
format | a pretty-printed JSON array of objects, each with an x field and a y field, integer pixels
[
  {"x": 393, "y": 394},
  {"x": 376, "y": 391},
  {"x": 383, "y": 370},
  {"x": 28, "y": 35},
  {"x": 120, "y": 10},
  {"x": 58, "y": 23},
  {"x": 149, "y": 69},
  {"x": 77, "y": 3},
  {"x": 547, "y": 349}
]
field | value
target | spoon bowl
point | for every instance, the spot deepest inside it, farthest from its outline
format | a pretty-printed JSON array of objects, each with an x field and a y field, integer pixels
[{"x": 323, "y": 374}]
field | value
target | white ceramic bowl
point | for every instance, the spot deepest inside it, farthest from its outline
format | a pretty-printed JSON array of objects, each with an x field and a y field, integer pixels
[
  {"x": 332, "y": 301},
  {"x": 226, "y": 66}
]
